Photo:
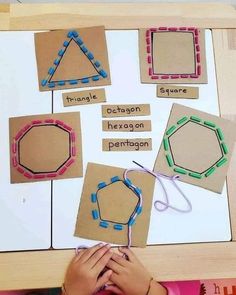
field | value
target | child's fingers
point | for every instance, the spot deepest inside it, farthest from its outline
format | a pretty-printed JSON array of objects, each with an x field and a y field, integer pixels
[
  {"x": 114, "y": 289},
  {"x": 128, "y": 253},
  {"x": 115, "y": 278},
  {"x": 102, "y": 262},
  {"x": 89, "y": 252},
  {"x": 114, "y": 266},
  {"x": 78, "y": 255},
  {"x": 91, "y": 262},
  {"x": 103, "y": 279},
  {"x": 119, "y": 259}
]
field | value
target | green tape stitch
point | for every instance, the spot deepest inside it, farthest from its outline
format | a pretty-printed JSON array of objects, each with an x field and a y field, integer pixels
[
  {"x": 221, "y": 162},
  {"x": 195, "y": 175},
  {"x": 210, "y": 124},
  {"x": 169, "y": 160},
  {"x": 170, "y": 130},
  {"x": 166, "y": 144},
  {"x": 225, "y": 148},
  {"x": 220, "y": 133},
  {"x": 210, "y": 171},
  {"x": 195, "y": 118},
  {"x": 182, "y": 120},
  {"x": 179, "y": 170}
]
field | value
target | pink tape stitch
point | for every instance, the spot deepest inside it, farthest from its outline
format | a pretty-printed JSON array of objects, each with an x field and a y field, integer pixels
[
  {"x": 62, "y": 170},
  {"x": 73, "y": 151},
  {"x": 70, "y": 162},
  {"x": 36, "y": 122},
  {"x": 51, "y": 175},
  {"x": 39, "y": 176},
  {"x": 49, "y": 121},
  {"x": 14, "y": 162},
  {"x": 19, "y": 169},
  {"x": 28, "y": 175},
  {"x": 198, "y": 57},
  {"x": 14, "y": 148}
]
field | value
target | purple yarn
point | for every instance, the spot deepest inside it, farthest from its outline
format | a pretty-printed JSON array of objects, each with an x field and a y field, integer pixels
[{"x": 166, "y": 204}]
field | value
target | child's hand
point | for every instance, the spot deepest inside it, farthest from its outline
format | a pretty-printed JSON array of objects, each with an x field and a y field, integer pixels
[
  {"x": 131, "y": 277},
  {"x": 82, "y": 277}
]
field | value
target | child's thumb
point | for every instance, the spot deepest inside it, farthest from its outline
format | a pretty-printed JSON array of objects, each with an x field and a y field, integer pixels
[{"x": 103, "y": 279}]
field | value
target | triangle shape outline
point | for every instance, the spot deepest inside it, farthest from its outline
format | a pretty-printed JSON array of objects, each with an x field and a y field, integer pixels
[{"x": 73, "y": 35}]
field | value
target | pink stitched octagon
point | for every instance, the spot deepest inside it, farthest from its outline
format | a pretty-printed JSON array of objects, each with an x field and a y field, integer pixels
[
  {"x": 194, "y": 31},
  {"x": 68, "y": 157}
]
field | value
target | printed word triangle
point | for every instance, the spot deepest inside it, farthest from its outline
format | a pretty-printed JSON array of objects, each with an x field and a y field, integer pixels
[{"x": 83, "y": 69}]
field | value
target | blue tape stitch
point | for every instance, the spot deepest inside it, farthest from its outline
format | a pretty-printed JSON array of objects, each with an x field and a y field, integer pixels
[
  {"x": 75, "y": 34},
  {"x": 131, "y": 222},
  {"x": 93, "y": 198},
  {"x": 79, "y": 41},
  {"x": 73, "y": 82},
  {"x": 115, "y": 178},
  {"x": 95, "y": 214},
  {"x": 137, "y": 191},
  {"x": 118, "y": 227},
  {"x": 61, "y": 83},
  {"x": 85, "y": 80},
  {"x": 61, "y": 52},
  {"x": 84, "y": 49},
  {"x": 51, "y": 84},
  {"x": 127, "y": 182},
  {"x": 90, "y": 55},
  {"x": 102, "y": 185},
  {"x": 66, "y": 43},
  {"x": 97, "y": 64},
  {"x": 51, "y": 71},
  {"x": 104, "y": 224},
  {"x": 70, "y": 34},
  {"x": 139, "y": 210},
  {"x": 95, "y": 78},
  {"x": 57, "y": 61},
  {"x": 44, "y": 82},
  {"x": 103, "y": 73}
]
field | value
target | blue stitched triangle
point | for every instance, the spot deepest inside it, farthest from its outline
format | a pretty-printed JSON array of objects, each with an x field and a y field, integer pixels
[{"x": 73, "y": 35}]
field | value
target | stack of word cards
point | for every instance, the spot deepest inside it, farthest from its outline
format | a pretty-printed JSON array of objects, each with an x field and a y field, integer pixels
[{"x": 130, "y": 126}]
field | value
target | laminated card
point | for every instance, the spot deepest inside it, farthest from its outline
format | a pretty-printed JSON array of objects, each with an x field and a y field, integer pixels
[
  {"x": 108, "y": 203},
  {"x": 72, "y": 58},
  {"x": 172, "y": 55},
  {"x": 196, "y": 146},
  {"x": 45, "y": 147}
]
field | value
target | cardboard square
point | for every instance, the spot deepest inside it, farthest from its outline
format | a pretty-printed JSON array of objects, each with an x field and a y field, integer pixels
[
  {"x": 196, "y": 146},
  {"x": 72, "y": 58},
  {"x": 172, "y": 55},
  {"x": 45, "y": 147},
  {"x": 116, "y": 201}
]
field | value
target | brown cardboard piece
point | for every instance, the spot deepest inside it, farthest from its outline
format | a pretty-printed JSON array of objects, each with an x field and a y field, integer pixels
[
  {"x": 117, "y": 202},
  {"x": 166, "y": 54},
  {"x": 125, "y": 110},
  {"x": 126, "y": 125},
  {"x": 196, "y": 147},
  {"x": 44, "y": 147},
  {"x": 74, "y": 63},
  {"x": 126, "y": 144},
  {"x": 173, "y": 91},
  {"x": 91, "y": 96}
]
